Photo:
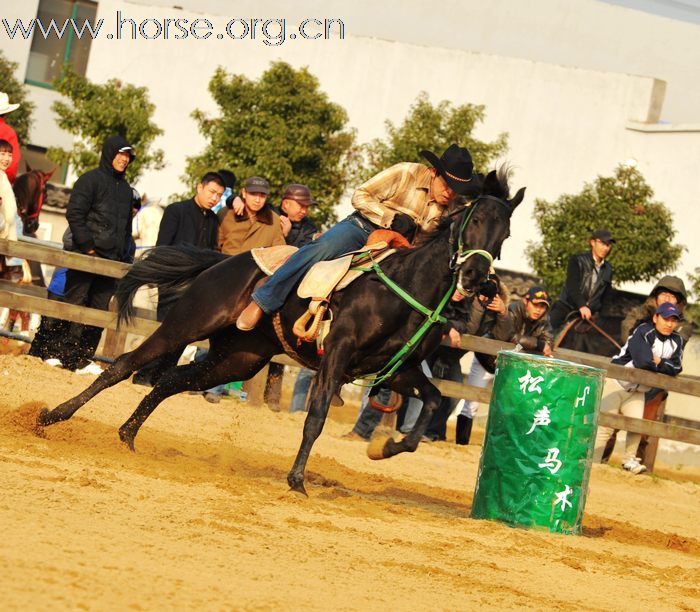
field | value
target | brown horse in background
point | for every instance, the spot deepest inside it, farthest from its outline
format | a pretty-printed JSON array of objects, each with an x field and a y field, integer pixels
[{"x": 30, "y": 194}]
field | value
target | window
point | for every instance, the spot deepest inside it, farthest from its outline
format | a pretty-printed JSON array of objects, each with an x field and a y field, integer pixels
[{"x": 47, "y": 56}]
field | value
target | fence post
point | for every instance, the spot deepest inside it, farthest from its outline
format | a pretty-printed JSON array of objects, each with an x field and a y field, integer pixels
[
  {"x": 654, "y": 412},
  {"x": 115, "y": 341}
]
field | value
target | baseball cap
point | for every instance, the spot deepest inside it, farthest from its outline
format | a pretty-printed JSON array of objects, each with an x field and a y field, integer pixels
[
  {"x": 299, "y": 193},
  {"x": 257, "y": 184},
  {"x": 603, "y": 235},
  {"x": 668, "y": 310},
  {"x": 538, "y": 295}
]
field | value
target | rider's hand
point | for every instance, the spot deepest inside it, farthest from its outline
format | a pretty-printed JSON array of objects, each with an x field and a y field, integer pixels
[
  {"x": 455, "y": 338},
  {"x": 404, "y": 225},
  {"x": 238, "y": 206},
  {"x": 656, "y": 360},
  {"x": 585, "y": 312},
  {"x": 285, "y": 224},
  {"x": 547, "y": 350},
  {"x": 497, "y": 305}
]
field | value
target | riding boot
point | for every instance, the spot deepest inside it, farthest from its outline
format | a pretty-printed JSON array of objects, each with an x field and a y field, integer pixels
[{"x": 464, "y": 429}]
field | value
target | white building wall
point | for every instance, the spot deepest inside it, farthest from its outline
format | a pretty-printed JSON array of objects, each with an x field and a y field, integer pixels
[{"x": 565, "y": 125}]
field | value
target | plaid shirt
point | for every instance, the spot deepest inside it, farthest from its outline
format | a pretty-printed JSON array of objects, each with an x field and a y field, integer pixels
[{"x": 403, "y": 188}]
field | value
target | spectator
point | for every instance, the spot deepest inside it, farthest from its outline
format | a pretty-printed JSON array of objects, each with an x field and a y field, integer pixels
[
  {"x": 669, "y": 289},
  {"x": 7, "y": 133},
  {"x": 10, "y": 221},
  {"x": 256, "y": 226},
  {"x": 192, "y": 221},
  {"x": 298, "y": 230},
  {"x": 99, "y": 215},
  {"x": 189, "y": 222},
  {"x": 656, "y": 347},
  {"x": 588, "y": 279},
  {"x": 408, "y": 198},
  {"x": 50, "y": 341},
  {"x": 529, "y": 327}
]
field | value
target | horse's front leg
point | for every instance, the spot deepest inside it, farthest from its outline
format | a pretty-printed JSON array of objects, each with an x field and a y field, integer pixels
[
  {"x": 411, "y": 383},
  {"x": 327, "y": 382}
]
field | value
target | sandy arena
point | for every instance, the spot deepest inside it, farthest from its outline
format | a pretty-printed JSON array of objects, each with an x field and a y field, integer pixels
[{"x": 200, "y": 517}]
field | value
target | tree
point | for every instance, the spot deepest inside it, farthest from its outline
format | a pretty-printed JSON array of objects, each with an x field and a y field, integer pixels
[
  {"x": 692, "y": 312},
  {"x": 100, "y": 111},
  {"x": 20, "y": 119},
  {"x": 624, "y": 204},
  {"x": 281, "y": 127},
  {"x": 433, "y": 128}
]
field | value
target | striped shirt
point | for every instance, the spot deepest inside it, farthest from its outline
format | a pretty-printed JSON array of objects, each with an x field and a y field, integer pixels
[{"x": 403, "y": 188}]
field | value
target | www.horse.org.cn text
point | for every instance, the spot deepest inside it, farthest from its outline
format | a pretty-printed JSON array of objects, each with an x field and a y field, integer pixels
[{"x": 271, "y": 32}]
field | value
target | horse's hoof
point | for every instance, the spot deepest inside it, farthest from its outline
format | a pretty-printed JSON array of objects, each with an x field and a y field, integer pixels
[
  {"x": 376, "y": 446},
  {"x": 296, "y": 485},
  {"x": 127, "y": 439},
  {"x": 44, "y": 418},
  {"x": 299, "y": 489}
]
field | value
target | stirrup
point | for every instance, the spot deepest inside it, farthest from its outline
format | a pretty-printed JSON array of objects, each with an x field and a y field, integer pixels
[{"x": 309, "y": 334}]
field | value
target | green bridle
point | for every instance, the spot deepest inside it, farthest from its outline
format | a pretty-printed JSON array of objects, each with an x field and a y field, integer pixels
[{"x": 431, "y": 316}]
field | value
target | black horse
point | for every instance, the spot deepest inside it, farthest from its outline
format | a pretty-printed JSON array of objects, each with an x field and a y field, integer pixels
[
  {"x": 371, "y": 323},
  {"x": 599, "y": 336}
]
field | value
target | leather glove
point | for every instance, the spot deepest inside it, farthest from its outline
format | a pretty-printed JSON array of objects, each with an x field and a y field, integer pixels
[{"x": 404, "y": 225}]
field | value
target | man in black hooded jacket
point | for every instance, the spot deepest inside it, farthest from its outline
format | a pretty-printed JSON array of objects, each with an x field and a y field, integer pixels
[{"x": 99, "y": 217}]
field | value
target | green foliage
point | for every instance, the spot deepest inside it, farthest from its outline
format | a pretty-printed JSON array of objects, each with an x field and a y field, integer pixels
[
  {"x": 623, "y": 203},
  {"x": 97, "y": 112},
  {"x": 692, "y": 312},
  {"x": 433, "y": 128},
  {"x": 281, "y": 127},
  {"x": 20, "y": 119}
]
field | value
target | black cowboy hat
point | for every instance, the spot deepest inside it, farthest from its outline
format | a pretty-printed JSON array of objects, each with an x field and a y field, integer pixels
[{"x": 455, "y": 166}]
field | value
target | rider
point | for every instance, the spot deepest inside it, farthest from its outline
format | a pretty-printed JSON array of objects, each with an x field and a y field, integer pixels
[
  {"x": 409, "y": 198},
  {"x": 588, "y": 278}
]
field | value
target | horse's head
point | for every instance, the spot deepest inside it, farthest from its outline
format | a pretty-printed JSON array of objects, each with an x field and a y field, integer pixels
[
  {"x": 30, "y": 193},
  {"x": 479, "y": 231}
]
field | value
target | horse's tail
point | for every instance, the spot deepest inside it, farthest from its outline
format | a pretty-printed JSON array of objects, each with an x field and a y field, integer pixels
[{"x": 169, "y": 268}]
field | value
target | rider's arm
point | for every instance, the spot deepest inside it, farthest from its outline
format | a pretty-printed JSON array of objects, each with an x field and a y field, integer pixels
[{"x": 370, "y": 197}]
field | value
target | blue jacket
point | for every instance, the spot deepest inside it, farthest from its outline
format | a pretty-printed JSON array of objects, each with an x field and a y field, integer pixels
[{"x": 642, "y": 345}]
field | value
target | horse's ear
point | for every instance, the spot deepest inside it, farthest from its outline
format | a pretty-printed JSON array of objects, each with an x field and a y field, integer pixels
[
  {"x": 491, "y": 184},
  {"x": 48, "y": 175},
  {"x": 26, "y": 163},
  {"x": 517, "y": 198}
]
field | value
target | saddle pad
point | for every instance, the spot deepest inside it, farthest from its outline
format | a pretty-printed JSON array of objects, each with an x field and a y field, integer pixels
[
  {"x": 351, "y": 275},
  {"x": 271, "y": 258}
]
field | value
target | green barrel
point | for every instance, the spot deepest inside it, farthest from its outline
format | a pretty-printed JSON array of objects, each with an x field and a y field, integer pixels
[{"x": 540, "y": 433}]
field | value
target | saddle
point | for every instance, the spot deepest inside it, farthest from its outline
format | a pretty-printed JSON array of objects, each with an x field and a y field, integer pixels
[{"x": 325, "y": 277}]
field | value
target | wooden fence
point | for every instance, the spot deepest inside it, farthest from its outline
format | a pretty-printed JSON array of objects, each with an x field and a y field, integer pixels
[{"x": 33, "y": 299}]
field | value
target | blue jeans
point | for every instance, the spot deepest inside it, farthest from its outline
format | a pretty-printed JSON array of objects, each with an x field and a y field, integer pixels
[
  {"x": 301, "y": 390},
  {"x": 369, "y": 417},
  {"x": 348, "y": 235}
]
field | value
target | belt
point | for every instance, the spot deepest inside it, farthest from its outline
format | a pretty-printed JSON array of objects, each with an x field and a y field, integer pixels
[{"x": 363, "y": 222}]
